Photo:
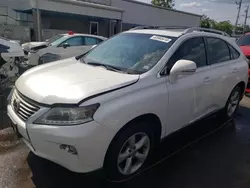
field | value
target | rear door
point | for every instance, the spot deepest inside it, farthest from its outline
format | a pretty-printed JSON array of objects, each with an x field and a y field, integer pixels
[
  {"x": 75, "y": 46},
  {"x": 224, "y": 61}
]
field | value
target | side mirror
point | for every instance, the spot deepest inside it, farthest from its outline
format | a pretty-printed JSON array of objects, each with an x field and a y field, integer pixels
[
  {"x": 93, "y": 46},
  {"x": 66, "y": 45},
  {"x": 183, "y": 67}
]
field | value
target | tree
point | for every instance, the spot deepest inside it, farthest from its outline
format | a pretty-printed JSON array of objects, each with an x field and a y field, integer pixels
[
  {"x": 225, "y": 26},
  {"x": 163, "y": 3},
  {"x": 205, "y": 22}
]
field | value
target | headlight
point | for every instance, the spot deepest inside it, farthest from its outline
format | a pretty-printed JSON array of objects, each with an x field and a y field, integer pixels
[
  {"x": 68, "y": 116},
  {"x": 46, "y": 58}
]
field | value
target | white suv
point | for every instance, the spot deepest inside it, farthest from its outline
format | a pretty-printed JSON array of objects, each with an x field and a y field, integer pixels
[{"x": 109, "y": 107}]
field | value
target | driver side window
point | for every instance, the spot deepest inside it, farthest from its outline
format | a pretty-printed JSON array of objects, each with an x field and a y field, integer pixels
[{"x": 193, "y": 49}]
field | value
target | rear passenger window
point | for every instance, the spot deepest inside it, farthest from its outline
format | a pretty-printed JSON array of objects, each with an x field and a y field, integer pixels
[
  {"x": 193, "y": 49},
  {"x": 218, "y": 50},
  {"x": 234, "y": 53},
  {"x": 91, "y": 41}
]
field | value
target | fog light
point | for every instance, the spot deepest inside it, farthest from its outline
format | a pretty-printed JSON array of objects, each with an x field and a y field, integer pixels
[{"x": 70, "y": 149}]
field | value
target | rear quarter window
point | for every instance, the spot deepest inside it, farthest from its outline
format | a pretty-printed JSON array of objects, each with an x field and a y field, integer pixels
[{"x": 234, "y": 53}]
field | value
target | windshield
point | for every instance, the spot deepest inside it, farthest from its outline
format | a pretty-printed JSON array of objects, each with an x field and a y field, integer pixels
[
  {"x": 130, "y": 52},
  {"x": 244, "y": 40},
  {"x": 56, "y": 40}
]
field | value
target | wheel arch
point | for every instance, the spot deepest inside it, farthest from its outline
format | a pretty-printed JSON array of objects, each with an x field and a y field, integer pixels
[
  {"x": 242, "y": 86},
  {"x": 150, "y": 117}
]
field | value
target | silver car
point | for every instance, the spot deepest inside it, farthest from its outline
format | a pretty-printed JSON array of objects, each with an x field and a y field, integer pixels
[{"x": 66, "y": 45}]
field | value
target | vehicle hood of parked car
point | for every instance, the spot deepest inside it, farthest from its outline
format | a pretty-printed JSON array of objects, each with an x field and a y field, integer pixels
[
  {"x": 69, "y": 81},
  {"x": 63, "y": 52},
  {"x": 245, "y": 50},
  {"x": 30, "y": 45}
]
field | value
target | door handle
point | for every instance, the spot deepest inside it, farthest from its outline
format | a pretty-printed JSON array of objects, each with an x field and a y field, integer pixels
[{"x": 206, "y": 80}]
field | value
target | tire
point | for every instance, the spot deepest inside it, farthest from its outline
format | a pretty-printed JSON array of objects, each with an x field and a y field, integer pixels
[
  {"x": 233, "y": 103},
  {"x": 122, "y": 145}
]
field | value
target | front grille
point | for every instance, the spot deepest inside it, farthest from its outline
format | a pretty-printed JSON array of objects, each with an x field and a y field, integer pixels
[{"x": 23, "y": 107}]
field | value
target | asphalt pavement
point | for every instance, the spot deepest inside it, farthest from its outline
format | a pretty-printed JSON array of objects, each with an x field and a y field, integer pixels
[{"x": 219, "y": 159}]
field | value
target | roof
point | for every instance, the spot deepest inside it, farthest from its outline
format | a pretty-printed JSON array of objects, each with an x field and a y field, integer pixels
[
  {"x": 171, "y": 33},
  {"x": 177, "y": 31},
  {"x": 85, "y": 35},
  {"x": 169, "y": 9}
]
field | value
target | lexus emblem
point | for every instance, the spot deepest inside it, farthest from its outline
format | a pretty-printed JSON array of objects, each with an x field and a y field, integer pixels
[{"x": 16, "y": 104}]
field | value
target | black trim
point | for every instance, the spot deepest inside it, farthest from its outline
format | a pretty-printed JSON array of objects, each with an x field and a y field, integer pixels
[
  {"x": 79, "y": 103},
  {"x": 206, "y": 50}
]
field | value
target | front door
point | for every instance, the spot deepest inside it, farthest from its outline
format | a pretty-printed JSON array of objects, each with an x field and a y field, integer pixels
[{"x": 188, "y": 95}]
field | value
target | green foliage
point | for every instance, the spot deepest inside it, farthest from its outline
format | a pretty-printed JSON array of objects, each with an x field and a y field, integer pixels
[
  {"x": 163, "y": 3},
  {"x": 225, "y": 26}
]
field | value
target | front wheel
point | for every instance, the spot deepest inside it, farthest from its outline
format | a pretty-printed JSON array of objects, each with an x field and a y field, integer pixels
[
  {"x": 129, "y": 152},
  {"x": 233, "y": 102}
]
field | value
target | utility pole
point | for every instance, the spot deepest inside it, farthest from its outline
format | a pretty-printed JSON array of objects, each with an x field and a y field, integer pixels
[
  {"x": 246, "y": 16},
  {"x": 38, "y": 17},
  {"x": 239, "y": 3}
]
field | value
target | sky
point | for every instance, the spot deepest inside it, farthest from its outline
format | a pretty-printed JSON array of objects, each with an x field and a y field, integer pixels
[{"x": 219, "y": 10}]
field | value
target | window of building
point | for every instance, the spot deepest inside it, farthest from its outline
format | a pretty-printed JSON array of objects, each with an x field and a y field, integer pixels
[
  {"x": 218, "y": 50},
  {"x": 94, "y": 28},
  {"x": 193, "y": 49}
]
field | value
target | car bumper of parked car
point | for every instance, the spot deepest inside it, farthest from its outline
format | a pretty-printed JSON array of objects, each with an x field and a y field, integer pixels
[{"x": 89, "y": 142}]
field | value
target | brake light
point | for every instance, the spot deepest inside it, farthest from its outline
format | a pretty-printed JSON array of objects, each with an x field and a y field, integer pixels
[{"x": 70, "y": 33}]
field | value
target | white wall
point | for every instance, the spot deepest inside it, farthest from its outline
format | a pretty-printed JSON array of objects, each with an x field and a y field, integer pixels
[
  {"x": 19, "y": 4},
  {"x": 141, "y": 14}
]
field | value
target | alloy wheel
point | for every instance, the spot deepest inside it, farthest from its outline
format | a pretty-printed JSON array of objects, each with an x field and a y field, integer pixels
[
  {"x": 233, "y": 103},
  {"x": 133, "y": 153}
]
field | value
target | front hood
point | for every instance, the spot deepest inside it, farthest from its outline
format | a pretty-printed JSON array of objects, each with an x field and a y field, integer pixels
[
  {"x": 69, "y": 81},
  {"x": 245, "y": 50},
  {"x": 30, "y": 45}
]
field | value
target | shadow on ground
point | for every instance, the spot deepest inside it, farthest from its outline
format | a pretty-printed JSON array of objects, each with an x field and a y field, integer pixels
[{"x": 221, "y": 160}]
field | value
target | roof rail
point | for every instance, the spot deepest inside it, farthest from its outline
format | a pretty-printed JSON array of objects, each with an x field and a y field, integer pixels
[
  {"x": 160, "y": 27},
  {"x": 192, "y": 29}
]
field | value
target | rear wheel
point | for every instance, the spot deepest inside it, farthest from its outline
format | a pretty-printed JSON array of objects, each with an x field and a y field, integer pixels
[
  {"x": 233, "y": 102},
  {"x": 129, "y": 152}
]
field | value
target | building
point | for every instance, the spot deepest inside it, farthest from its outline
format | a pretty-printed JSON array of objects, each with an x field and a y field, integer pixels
[{"x": 102, "y": 17}]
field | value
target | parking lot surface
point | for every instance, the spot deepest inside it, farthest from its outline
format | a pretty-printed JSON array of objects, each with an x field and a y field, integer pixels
[{"x": 221, "y": 159}]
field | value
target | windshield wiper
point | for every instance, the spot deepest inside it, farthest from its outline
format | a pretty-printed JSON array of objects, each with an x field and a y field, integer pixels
[{"x": 108, "y": 67}]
